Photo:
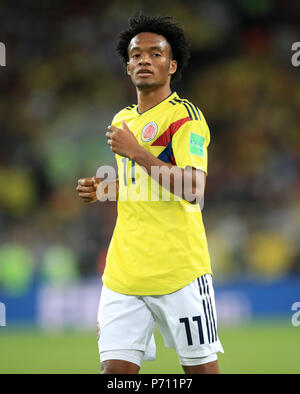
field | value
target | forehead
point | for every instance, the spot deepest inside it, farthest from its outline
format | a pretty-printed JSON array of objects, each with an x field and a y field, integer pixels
[{"x": 147, "y": 41}]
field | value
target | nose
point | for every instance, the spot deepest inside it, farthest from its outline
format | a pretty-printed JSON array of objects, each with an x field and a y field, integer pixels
[{"x": 144, "y": 59}]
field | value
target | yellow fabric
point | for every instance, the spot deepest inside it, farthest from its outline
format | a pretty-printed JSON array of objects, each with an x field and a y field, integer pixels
[{"x": 159, "y": 246}]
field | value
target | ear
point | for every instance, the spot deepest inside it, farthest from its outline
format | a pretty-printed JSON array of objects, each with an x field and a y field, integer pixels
[
  {"x": 128, "y": 68},
  {"x": 172, "y": 67}
]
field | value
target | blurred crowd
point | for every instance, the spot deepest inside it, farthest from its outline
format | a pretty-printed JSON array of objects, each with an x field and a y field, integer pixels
[{"x": 63, "y": 83}]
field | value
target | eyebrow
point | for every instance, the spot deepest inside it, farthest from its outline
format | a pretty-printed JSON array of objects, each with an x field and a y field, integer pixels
[{"x": 151, "y": 48}]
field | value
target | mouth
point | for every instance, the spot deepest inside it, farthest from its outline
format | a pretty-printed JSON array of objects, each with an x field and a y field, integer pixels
[{"x": 144, "y": 73}]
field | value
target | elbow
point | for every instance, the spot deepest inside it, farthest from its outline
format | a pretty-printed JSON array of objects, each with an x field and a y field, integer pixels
[
  {"x": 195, "y": 196},
  {"x": 197, "y": 199},
  {"x": 194, "y": 188}
]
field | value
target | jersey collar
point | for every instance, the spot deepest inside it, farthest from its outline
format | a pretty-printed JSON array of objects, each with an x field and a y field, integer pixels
[{"x": 170, "y": 97}]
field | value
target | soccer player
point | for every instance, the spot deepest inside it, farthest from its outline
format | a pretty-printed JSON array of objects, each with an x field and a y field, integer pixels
[{"x": 158, "y": 267}]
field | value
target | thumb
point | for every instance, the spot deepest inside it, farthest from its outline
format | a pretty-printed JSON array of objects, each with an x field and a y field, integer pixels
[
  {"x": 124, "y": 125},
  {"x": 96, "y": 181}
]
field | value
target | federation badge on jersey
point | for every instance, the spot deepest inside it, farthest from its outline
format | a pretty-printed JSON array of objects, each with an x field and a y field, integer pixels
[
  {"x": 197, "y": 144},
  {"x": 149, "y": 132}
]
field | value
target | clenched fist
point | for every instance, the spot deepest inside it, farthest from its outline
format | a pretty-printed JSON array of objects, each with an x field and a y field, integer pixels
[
  {"x": 94, "y": 189},
  {"x": 122, "y": 141},
  {"x": 87, "y": 188}
]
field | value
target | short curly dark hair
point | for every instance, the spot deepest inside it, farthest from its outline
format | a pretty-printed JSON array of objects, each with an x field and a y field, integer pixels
[{"x": 163, "y": 25}]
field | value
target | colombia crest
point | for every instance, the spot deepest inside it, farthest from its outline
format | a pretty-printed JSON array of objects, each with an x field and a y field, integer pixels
[{"x": 149, "y": 132}]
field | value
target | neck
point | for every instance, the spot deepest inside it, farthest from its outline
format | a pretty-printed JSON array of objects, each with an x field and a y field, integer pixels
[{"x": 149, "y": 98}]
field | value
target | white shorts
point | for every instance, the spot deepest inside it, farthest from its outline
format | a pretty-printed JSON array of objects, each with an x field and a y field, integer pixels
[{"x": 186, "y": 319}]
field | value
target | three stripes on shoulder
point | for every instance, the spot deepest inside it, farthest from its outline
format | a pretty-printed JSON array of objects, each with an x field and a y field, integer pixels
[{"x": 192, "y": 110}]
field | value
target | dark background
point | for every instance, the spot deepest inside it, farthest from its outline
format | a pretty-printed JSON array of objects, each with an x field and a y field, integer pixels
[{"x": 63, "y": 83}]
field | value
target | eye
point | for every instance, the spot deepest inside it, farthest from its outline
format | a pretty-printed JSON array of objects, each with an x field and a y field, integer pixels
[
  {"x": 135, "y": 56},
  {"x": 156, "y": 54}
]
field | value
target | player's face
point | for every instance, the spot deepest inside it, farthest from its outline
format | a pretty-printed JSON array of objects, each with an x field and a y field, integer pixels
[{"x": 150, "y": 61}]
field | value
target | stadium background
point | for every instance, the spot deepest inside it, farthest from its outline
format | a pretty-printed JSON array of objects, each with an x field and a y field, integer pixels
[{"x": 59, "y": 90}]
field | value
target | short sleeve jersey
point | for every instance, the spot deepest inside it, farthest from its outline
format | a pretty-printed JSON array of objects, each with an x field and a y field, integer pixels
[{"x": 159, "y": 243}]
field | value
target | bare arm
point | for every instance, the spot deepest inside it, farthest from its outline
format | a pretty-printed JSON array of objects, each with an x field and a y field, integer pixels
[{"x": 190, "y": 180}]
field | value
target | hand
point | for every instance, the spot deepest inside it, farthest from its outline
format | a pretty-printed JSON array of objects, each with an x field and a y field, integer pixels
[
  {"x": 122, "y": 141},
  {"x": 87, "y": 189}
]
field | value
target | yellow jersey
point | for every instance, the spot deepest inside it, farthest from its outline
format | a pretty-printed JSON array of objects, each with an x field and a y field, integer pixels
[{"x": 159, "y": 243}]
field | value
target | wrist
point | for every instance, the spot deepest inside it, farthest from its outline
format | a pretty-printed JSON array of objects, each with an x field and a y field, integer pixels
[{"x": 136, "y": 154}]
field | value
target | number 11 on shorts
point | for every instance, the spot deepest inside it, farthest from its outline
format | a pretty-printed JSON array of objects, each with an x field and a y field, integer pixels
[{"x": 186, "y": 322}]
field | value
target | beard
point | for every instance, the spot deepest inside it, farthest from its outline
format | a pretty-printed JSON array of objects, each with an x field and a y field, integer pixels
[{"x": 147, "y": 85}]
